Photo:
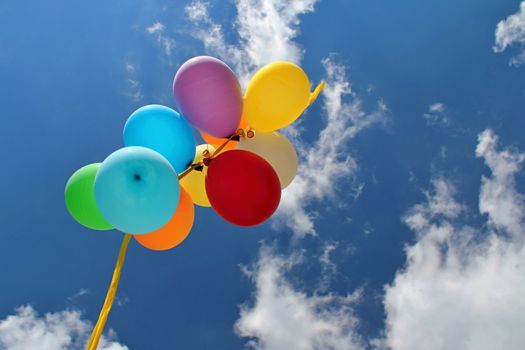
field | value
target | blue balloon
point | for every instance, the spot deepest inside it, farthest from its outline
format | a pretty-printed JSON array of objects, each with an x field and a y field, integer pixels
[
  {"x": 163, "y": 130},
  {"x": 136, "y": 190}
]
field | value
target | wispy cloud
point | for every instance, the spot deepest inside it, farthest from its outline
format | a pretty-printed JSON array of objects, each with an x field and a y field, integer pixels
[
  {"x": 267, "y": 30},
  {"x": 499, "y": 199},
  {"x": 62, "y": 330},
  {"x": 197, "y": 11},
  {"x": 283, "y": 318},
  {"x": 158, "y": 30},
  {"x": 77, "y": 295},
  {"x": 511, "y": 31},
  {"x": 436, "y": 115},
  {"x": 463, "y": 287},
  {"x": 328, "y": 266},
  {"x": 328, "y": 161},
  {"x": 133, "y": 87}
]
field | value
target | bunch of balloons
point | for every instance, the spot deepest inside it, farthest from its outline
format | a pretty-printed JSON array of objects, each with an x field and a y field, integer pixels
[{"x": 149, "y": 187}]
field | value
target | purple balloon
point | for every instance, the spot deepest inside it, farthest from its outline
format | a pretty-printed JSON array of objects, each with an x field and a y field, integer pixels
[{"x": 208, "y": 95}]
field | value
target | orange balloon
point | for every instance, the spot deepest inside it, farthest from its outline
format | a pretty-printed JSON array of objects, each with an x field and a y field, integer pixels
[
  {"x": 175, "y": 231},
  {"x": 216, "y": 141}
]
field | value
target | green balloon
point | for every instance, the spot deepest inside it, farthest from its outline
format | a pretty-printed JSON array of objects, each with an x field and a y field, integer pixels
[{"x": 80, "y": 198}]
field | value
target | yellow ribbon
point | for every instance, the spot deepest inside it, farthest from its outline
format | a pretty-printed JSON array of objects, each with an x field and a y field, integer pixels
[
  {"x": 316, "y": 92},
  {"x": 110, "y": 296}
]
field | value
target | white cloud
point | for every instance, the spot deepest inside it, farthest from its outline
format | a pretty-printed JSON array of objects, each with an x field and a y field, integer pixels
[
  {"x": 81, "y": 292},
  {"x": 266, "y": 29},
  {"x": 327, "y": 162},
  {"x": 511, "y": 31},
  {"x": 158, "y": 30},
  {"x": 156, "y": 27},
  {"x": 462, "y": 287},
  {"x": 63, "y": 330},
  {"x": 133, "y": 87},
  {"x": 437, "y": 107},
  {"x": 499, "y": 198},
  {"x": 436, "y": 115},
  {"x": 283, "y": 318},
  {"x": 197, "y": 11},
  {"x": 328, "y": 267}
]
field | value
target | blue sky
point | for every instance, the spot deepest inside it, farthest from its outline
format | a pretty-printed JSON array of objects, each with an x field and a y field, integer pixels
[{"x": 403, "y": 229}]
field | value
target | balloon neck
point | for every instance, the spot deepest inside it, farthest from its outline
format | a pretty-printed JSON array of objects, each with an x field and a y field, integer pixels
[{"x": 207, "y": 161}]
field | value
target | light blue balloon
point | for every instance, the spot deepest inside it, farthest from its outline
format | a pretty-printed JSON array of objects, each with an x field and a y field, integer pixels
[
  {"x": 163, "y": 130},
  {"x": 136, "y": 190}
]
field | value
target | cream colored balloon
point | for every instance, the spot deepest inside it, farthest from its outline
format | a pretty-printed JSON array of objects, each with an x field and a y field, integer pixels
[
  {"x": 194, "y": 182},
  {"x": 276, "y": 150}
]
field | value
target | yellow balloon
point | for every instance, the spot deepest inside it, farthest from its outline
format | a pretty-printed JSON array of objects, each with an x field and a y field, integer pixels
[
  {"x": 277, "y": 95},
  {"x": 193, "y": 182},
  {"x": 276, "y": 150}
]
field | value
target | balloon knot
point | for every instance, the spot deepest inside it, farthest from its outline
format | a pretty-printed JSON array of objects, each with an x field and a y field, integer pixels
[{"x": 207, "y": 161}]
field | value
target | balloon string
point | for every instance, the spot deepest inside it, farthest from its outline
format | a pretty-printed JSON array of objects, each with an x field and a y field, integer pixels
[
  {"x": 221, "y": 147},
  {"x": 110, "y": 296},
  {"x": 189, "y": 170},
  {"x": 240, "y": 132},
  {"x": 316, "y": 92}
]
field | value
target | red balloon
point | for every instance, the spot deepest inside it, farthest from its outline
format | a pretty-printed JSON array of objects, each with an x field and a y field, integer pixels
[{"x": 242, "y": 187}]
